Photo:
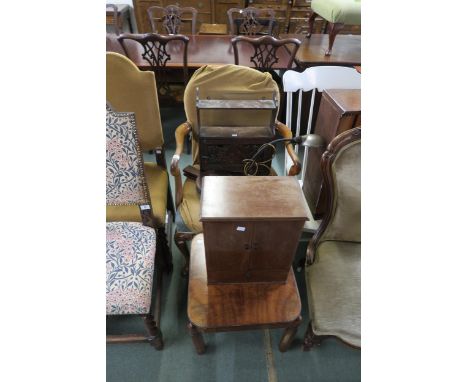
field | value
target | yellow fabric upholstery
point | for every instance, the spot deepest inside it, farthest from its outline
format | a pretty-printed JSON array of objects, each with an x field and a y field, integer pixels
[
  {"x": 334, "y": 290},
  {"x": 227, "y": 82},
  {"x": 189, "y": 209},
  {"x": 158, "y": 181},
  {"x": 345, "y": 224},
  {"x": 129, "y": 89}
]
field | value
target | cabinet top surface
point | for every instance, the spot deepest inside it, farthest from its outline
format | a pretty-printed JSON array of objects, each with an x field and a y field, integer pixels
[
  {"x": 348, "y": 100},
  {"x": 252, "y": 198}
]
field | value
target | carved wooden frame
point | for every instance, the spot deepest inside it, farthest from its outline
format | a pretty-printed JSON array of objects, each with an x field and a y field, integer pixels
[
  {"x": 171, "y": 18},
  {"x": 328, "y": 158},
  {"x": 251, "y": 21},
  {"x": 265, "y": 49},
  {"x": 156, "y": 55}
]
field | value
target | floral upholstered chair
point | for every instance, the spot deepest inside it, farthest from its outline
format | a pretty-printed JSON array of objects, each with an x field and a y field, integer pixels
[
  {"x": 131, "y": 256},
  {"x": 130, "y": 90},
  {"x": 217, "y": 82},
  {"x": 333, "y": 266}
]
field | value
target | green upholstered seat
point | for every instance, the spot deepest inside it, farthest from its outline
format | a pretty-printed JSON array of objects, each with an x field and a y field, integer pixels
[
  {"x": 347, "y": 12},
  {"x": 333, "y": 290}
]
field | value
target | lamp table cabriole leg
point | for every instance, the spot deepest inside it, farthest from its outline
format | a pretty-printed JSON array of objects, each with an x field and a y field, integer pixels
[
  {"x": 197, "y": 338},
  {"x": 289, "y": 334}
]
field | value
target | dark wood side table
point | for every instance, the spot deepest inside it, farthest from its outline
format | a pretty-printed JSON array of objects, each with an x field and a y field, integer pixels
[
  {"x": 236, "y": 307},
  {"x": 340, "y": 110}
]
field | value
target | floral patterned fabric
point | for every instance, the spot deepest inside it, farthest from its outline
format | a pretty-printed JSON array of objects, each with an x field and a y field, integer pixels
[
  {"x": 130, "y": 251},
  {"x": 125, "y": 182}
]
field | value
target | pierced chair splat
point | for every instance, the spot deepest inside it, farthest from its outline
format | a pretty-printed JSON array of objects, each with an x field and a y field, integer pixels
[{"x": 172, "y": 18}]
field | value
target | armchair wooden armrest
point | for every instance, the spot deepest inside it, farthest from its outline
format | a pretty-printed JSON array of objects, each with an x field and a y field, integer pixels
[
  {"x": 285, "y": 132},
  {"x": 180, "y": 134}
]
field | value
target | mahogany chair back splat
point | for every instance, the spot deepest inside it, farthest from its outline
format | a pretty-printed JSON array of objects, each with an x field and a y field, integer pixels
[
  {"x": 156, "y": 54},
  {"x": 265, "y": 50},
  {"x": 251, "y": 21},
  {"x": 171, "y": 18}
]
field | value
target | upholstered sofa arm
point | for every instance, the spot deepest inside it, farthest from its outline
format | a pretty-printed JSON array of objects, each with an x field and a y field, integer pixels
[{"x": 285, "y": 132}]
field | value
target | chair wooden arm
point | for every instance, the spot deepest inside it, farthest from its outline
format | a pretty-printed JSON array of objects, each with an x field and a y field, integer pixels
[
  {"x": 180, "y": 134},
  {"x": 285, "y": 132}
]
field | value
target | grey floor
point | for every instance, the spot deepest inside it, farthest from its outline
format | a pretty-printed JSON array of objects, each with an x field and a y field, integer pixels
[{"x": 251, "y": 356}]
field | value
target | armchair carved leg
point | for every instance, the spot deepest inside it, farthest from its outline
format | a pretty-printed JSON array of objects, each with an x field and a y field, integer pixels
[
  {"x": 197, "y": 338},
  {"x": 180, "y": 239},
  {"x": 311, "y": 21},
  {"x": 333, "y": 30},
  {"x": 310, "y": 339},
  {"x": 289, "y": 334},
  {"x": 155, "y": 335}
]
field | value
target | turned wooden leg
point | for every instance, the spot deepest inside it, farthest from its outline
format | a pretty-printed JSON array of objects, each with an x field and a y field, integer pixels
[
  {"x": 155, "y": 335},
  {"x": 166, "y": 252},
  {"x": 310, "y": 339},
  {"x": 289, "y": 334},
  {"x": 311, "y": 21},
  {"x": 197, "y": 338},
  {"x": 180, "y": 239},
  {"x": 333, "y": 30}
]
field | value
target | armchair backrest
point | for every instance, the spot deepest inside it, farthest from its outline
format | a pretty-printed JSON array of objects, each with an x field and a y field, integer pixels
[
  {"x": 265, "y": 49},
  {"x": 155, "y": 52},
  {"x": 171, "y": 18},
  {"x": 132, "y": 90},
  {"x": 125, "y": 178},
  {"x": 251, "y": 21},
  {"x": 227, "y": 82},
  {"x": 341, "y": 167}
]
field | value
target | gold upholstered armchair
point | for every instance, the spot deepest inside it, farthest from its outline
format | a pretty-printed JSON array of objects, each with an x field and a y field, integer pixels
[
  {"x": 217, "y": 82},
  {"x": 130, "y": 90},
  {"x": 333, "y": 265}
]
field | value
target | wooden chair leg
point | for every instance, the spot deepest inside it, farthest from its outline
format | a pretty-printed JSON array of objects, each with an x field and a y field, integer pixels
[
  {"x": 170, "y": 202},
  {"x": 289, "y": 334},
  {"x": 197, "y": 338},
  {"x": 155, "y": 335},
  {"x": 311, "y": 21},
  {"x": 166, "y": 252},
  {"x": 333, "y": 30},
  {"x": 310, "y": 339},
  {"x": 180, "y": 239}
]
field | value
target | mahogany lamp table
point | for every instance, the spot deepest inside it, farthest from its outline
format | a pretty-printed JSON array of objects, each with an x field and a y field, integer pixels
[{"x": 236, "y": 307}]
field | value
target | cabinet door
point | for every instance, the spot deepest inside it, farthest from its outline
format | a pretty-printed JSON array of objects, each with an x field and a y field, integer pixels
[
  {"x": 274, "y": 245},
  {"x": 227, "y": 249},
  {"x": 221, "y": 8}
]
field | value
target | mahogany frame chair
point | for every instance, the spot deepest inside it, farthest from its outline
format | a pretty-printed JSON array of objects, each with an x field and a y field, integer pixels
[
  {"x": 131, "y": 247},
  {"x": 265, "y": 49},
  {"x": 186, "y": 193},
  {"x": 115, "y": 17},
  {"x": 333, "y": 256},
  {"x": 131, "y": 90},
  {"x": 171, "y": 18},
  {"x": 252, "y": 21},
  {"x": 156, "y": 54}
]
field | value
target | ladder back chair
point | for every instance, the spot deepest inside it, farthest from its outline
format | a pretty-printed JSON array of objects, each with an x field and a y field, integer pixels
[
  {"x": 129, "y": 89},
  {"x": 265, "y": 50},
  {"x": 251, "y": 21},
  {"x": 333, "y": 264},
  {"x": 155, "y": 52},
  {"x": 171, "y": 18},
  {"x": 132, "y": 258},
  {"x": 216, "y": 82}
]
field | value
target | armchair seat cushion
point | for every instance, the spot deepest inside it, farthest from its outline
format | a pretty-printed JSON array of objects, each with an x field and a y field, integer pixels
[
  {"x": 338, "y": 11},
  {"x": 130, "y": 251},
  {"x": 189, "y": 209},
  {"x": 334, "y": 291},
  {"x": 157, "y": 179}
]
